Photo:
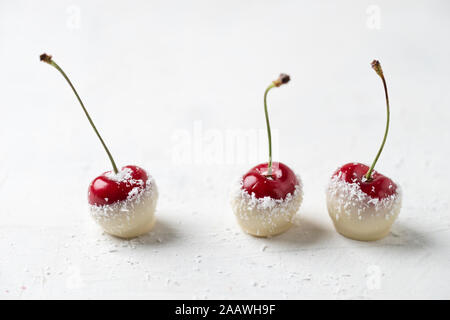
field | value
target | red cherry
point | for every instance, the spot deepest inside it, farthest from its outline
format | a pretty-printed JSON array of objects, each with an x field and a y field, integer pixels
[
  {"x": 277, "y": 186},
  {"x": 379, "y": 186},
  {"x": 109, "y": 188}
]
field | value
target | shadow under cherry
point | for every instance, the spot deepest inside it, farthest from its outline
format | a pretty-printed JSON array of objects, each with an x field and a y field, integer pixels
[{"x": 304, "y": 232}]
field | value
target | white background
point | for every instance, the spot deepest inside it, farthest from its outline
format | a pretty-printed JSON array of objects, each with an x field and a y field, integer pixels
[{"x": 150, "y": 71}]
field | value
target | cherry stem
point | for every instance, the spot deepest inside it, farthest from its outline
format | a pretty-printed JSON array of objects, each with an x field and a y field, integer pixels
[
  {"x": 48, "y": 59},
  {"x": 282, "y": 79},
  {"x": 377, "y": 67}
]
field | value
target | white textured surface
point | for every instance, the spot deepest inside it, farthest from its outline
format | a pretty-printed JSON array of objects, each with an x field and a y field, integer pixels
[{"x": 154, "y": 71}]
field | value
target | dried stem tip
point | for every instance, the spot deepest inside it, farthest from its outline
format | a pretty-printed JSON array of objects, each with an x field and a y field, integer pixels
[
  {"x": 377, "y": 67},
  {"x": 282, "y": 79},
  {"x": 46, "y": 57}
]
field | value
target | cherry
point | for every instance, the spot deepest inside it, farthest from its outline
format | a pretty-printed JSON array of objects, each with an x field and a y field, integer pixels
[
  {"x": 48, "y": 59},
  {"x": 109, "y": 188},
  {"x": 277, "y": 186},
  {"x": 125, "y": 220},
  {"x": 379, "y": 186},
  {"x": 266, "y": 183},
  {"x": 274, "y": 180},
  {"x": 371, "y": 182}
]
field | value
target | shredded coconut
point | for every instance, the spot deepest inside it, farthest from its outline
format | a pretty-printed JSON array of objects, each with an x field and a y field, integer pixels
[
  {"x": 271, "y": 208},
  {"x": 122, "y": 175},
  {"x": 135, "y": 196},
  {"x": 349, "y": 198}
]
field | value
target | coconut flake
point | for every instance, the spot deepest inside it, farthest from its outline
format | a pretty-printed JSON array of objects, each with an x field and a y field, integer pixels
[
  {"x": 121, "y": 176},
  {"x": 135, "y": 196},
  {"x": 350, "y": 198},
  {"x": 269, "y": 206}
]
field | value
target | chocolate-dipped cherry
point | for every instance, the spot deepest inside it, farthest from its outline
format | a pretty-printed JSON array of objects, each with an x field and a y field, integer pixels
[
  {"x": 269, "y": 195},
  {"x": 121, "y": 201},
  {"x": 363, "y": 203}
]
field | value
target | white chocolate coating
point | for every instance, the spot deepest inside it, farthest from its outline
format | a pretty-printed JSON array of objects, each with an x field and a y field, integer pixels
[
  {"x": 131, "y": 217},
  {"x": 356, "y": 215},
  {"x": 265, "y": 217}
]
